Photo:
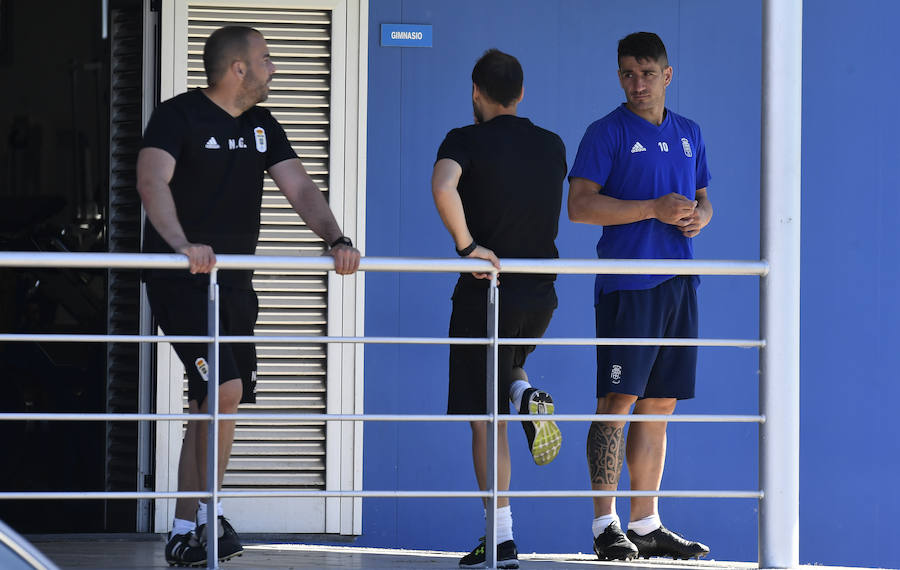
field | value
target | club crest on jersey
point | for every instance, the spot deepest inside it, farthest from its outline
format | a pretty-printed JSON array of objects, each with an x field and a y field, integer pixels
[
  {"x": 202, "y": 368},
  {"x": 259, "y": 134},
  {"x": 686, "y": 145}
]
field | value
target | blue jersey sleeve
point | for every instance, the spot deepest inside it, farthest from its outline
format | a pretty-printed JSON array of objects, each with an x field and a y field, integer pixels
[
  {"x": 702, "y": 173},
  {"x": 594, "y": 160}
]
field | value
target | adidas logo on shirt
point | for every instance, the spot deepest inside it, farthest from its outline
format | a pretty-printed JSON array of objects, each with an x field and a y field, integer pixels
[
  {"x": 213, "y": 144},
  {"x": 638, "y": 147}
]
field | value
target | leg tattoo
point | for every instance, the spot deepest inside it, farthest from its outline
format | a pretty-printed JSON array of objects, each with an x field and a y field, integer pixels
[{"x": 605, "y": 452}]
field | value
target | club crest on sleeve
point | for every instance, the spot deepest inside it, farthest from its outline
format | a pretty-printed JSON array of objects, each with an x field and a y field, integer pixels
[{"x": 259, "y": 134}]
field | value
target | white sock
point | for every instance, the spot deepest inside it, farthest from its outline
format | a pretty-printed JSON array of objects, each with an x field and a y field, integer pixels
[
  {"x": 515, "y": 393},
  {"x": 181, "y": 526},
  {"x": 504, "y": 524},
  {"x": 600, "y": 523},
  {"x": 201, "y": 511},
  {"x": 645, "y": 525}
]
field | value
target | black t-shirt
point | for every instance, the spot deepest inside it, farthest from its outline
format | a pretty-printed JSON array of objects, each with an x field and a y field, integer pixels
[
  {"x": 217, "y": 185},
  {"x": 511, "y": 190}
]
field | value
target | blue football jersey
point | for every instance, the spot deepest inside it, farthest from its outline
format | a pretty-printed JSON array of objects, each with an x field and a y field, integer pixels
[{"x": 633, "y": 159}]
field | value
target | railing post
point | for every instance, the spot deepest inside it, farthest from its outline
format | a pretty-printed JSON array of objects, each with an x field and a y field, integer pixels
[
  {"x": 779, "y": 398},
  {"x": 145, "y": 397},
  {"x": 493, "y": 330},
  {"x": 212, "y": 401}
]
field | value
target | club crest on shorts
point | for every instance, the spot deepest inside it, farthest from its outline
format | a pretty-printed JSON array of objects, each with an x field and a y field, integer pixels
[
  {"x": 615, "y": 374},
  {"x": 686, "y": 145},
  {"x": 202, "y": 368},
  {"x": 259, "y": 135}
]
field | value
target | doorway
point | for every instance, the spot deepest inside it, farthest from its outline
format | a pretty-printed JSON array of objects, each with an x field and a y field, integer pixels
[{"x": 55, "y": 170}]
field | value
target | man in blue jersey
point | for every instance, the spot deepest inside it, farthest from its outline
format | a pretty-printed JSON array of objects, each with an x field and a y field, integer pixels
[{"x": 641, "y": 173}]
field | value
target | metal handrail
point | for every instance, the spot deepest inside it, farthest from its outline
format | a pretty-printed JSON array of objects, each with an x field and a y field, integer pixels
[
  {"x": 277, "y": 417},
  {"x": 263, "y": 339},
  {"x": 324, "y": 264},
  {"x": 60, "y": 495},
  {"x": 392, "y": 264}
]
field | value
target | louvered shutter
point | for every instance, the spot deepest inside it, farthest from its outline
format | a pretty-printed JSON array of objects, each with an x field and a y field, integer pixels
[
  {"x": 123, "y": 309},
  {"x": 276, "y": 455}
]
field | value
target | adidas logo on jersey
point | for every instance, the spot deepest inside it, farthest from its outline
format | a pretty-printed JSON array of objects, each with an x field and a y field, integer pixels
[
  {"x": 638, "y": 147},
  {"x": 212, "y": 143}
]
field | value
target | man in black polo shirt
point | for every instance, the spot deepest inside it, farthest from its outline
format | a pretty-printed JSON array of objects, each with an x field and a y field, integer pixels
[
  {"x": 200, "y": 177},
  {"x": 497, "y": 185}
]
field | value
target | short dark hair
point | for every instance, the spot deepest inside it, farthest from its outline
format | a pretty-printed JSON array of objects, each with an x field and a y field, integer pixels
[
  {"x": 222, "y": 47},
  {"x": 643, "y": 46},
  {"x": 499, "y": 76}
]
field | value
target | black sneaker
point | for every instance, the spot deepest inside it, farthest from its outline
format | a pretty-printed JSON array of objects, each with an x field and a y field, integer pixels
[
  {"x": 664, "y": 542},
  {"x": 544, "y": 437},
  {"x": 229, "y": 543},
  {"x": 612, "y": 544},
  {"x": 507, "y": 556},
  {"x": 185, "y": 550}
]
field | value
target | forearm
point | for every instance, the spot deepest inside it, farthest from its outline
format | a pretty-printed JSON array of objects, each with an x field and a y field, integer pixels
[
  {"x": 309, "y": 202},
  {"x": 156, "y": 196},
  {"x": 445, "y": 191},
  {"x": 602, "y": 210},
  {"x": 449, "y": 206}
]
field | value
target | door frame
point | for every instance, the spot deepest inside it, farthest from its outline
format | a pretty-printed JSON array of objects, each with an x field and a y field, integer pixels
[{"x": 346, "y": 294}]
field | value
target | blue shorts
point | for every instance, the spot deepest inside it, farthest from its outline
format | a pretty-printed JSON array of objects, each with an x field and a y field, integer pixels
[{"x": 668, "y": 310}]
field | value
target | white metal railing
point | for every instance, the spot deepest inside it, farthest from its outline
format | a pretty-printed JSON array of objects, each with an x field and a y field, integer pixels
[{"x": 772, "y": 490}]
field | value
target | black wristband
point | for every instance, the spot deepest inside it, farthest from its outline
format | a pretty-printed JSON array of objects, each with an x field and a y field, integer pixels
[
  {"x": 343, "y": 240},
  {"x": 467, "y": 250}
]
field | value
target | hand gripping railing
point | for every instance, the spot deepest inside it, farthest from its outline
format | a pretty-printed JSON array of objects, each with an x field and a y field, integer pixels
[{"x": 492, "y": 342}]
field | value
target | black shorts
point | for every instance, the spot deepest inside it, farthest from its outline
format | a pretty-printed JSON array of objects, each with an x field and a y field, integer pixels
[
  {"x": 180, "y": 309},
  {"x": 468, "y": 363},
  {"x": 668, "y": 310}
]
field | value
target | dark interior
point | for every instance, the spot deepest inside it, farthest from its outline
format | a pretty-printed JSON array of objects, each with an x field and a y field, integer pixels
[{"x": 55, "y": 154}]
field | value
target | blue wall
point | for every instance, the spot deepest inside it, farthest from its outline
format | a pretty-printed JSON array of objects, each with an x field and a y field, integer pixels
[
  {"x": 850, "y": 272},
  {"x": 567, "y": 49}
]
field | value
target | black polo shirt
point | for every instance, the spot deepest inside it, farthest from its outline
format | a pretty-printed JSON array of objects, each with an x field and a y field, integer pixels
[
  {"x": 217, "y": 185},
  {"x": 511, "y": 189}
]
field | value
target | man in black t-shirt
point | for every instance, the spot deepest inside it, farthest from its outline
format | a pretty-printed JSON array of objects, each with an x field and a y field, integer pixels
[
  {"x": 200, "y": 178},
  {"x": 497, "y": 185}
]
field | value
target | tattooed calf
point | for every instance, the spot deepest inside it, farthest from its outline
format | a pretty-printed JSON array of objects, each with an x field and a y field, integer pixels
[{"x": 605, "y": 452}]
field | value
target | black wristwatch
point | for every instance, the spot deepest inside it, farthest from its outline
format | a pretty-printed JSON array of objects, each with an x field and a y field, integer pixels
[
  {"x": 343, "y": 240},
  {"x": 467, "y": 250}
]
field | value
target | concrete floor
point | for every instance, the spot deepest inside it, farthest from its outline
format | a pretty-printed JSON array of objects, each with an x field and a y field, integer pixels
[{"x": 146, "y": 552}]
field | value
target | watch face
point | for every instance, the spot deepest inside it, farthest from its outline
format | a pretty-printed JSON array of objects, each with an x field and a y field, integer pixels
[{"x": 343, "y": 240}]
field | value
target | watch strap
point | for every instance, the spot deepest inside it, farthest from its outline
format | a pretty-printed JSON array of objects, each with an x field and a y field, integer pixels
[
  {"x": 343, "y": 240},
  {"x": 467, "y": 250}
]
